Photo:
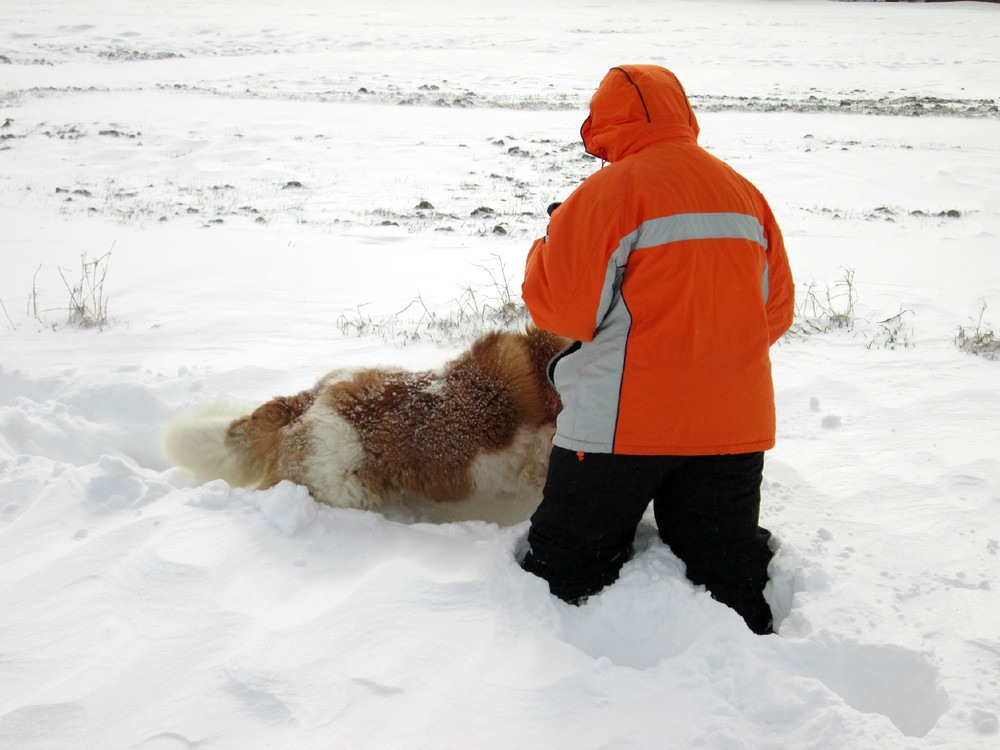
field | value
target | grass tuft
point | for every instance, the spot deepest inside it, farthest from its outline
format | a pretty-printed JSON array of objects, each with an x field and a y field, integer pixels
[
  {"x": 88, "y": 303},
  {"x": 981, "y": 340},
  {"x": 891, "y": 333},
  {"x": 828, "y": 310}
]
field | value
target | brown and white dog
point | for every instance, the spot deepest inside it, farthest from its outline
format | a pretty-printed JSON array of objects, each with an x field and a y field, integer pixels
[{"x": 470, "y": 441}]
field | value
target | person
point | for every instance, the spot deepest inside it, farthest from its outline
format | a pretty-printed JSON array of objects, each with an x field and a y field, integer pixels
[{"x": 668, "y": 270}]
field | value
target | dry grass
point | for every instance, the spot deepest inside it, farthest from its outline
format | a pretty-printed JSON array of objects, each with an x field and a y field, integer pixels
[
  {"x": 479, "y": 309},
  {"x": 981, "y": 340},
  {"x": 88, "y": 302},
  {"x": 823, "y": 311}
]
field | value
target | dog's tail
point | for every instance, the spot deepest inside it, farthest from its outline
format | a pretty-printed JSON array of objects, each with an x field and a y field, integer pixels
[{"x": 204, "y": 443}]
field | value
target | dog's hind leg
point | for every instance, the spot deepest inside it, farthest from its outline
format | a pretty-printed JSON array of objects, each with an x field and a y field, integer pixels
[
  {"x": 263, "y": 438},
  {"x": 245, "y": 450}
]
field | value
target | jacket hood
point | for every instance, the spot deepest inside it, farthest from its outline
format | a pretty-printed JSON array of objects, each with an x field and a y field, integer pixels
[{"x": 636, "y": 105}]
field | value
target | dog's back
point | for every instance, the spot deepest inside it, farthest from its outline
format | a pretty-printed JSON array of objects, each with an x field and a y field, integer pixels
[{"x": 420, "y": 433}]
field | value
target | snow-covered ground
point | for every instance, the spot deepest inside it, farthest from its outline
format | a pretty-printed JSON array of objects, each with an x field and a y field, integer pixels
[{"x": 255, "y": 171}]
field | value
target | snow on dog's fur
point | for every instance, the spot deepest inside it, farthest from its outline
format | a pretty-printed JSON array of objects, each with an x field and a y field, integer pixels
[{"x": 471, "y": 440}]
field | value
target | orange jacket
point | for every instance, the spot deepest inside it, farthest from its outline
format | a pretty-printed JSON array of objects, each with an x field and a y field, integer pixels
[{"x": 669, "y": 270}]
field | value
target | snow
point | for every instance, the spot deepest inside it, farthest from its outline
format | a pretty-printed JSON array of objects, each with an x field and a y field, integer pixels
[{"x": 260, "y": 211}]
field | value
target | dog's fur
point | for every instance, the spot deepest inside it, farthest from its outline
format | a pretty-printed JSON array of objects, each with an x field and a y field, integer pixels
[{"x": 474, "y": 436}]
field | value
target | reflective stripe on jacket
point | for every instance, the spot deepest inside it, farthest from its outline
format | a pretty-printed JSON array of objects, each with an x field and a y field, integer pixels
[{"x": 669, "y": 270}]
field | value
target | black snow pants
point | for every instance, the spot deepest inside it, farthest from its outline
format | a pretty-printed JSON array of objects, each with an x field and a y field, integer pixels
[{"x": 706, "y": 509}]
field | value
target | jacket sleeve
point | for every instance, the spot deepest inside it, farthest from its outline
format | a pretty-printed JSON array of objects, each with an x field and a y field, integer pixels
[
  {"x": 567, "y": 277},
  {"x": 780, "y": 305}
]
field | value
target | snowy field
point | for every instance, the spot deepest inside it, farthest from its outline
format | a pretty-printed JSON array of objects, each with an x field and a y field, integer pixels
[{"x": 255, "y": 169}]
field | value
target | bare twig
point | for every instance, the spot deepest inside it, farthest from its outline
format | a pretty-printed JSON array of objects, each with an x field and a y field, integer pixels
[
  {"x": 33, "y": 297},
  {"x": 6, "y": 315}
]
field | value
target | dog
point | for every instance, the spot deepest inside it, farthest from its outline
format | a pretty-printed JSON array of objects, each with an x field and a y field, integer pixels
[{"x": 470, "y": 441}]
